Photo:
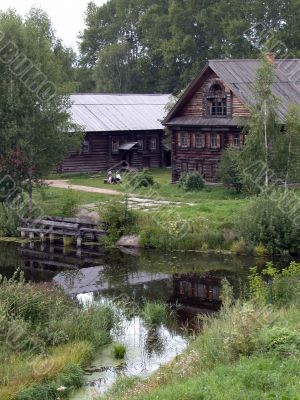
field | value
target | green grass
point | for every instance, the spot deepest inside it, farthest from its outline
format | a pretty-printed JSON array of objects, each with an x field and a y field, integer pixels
[
  {"x": 164, "y": 189},
  {"x": 51, "y": 200},
  {"x": 46, "y": 339}
]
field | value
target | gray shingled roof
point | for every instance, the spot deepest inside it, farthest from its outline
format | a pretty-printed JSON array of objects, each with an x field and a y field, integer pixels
[
  {"x": 240, "y": 76},
  {"x": 118, "y": 112}
]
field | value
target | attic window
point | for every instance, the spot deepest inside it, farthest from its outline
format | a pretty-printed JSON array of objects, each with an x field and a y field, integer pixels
[{"x": 216, "y": 99}]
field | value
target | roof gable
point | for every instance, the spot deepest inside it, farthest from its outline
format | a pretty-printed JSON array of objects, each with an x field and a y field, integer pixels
[{"x": 240, "y": 76}]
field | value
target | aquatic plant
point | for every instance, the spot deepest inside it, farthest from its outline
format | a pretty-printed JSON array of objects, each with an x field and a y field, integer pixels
[
  {"x": 119, "y": 351},
  {"x": 155, "y": 314}
]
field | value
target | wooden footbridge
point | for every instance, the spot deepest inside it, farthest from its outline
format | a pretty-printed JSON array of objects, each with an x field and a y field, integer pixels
[{"x": 53, "y": 228}]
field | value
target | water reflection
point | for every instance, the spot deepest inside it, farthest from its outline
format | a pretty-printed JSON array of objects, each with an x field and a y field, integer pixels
[{"x": 191, "y": 283}]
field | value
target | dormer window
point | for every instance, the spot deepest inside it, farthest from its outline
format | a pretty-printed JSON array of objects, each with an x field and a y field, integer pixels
[{"x": 216, "y": 99}]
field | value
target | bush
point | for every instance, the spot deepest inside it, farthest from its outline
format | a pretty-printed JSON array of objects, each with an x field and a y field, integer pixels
[
  {"x": 260, "y": 250},
  {"x": 119, "y": 351},
  {"x": 191, "y": 182},
  {"x": 118, "y": 220},
  {"x": 229, "y": 168},
  {"x": 274, "y": 286},
  {"x": 9, "y": 221},
  {"x": 70, "y": 203},
  {"x": 239, "y": 247},
  {"x": 142, "y": 179},
  {"x": 270, "y": 220}
]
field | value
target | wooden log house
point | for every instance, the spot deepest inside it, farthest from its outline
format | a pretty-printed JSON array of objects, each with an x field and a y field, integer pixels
[
  {"x": 122, "y": 130},
  {"x": 209, "y": 115}
]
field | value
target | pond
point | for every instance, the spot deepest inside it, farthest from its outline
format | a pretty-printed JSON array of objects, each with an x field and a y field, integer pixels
[{"x": 190, "y": 282}]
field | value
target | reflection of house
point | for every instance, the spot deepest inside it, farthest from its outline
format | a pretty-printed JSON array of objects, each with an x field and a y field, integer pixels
[
  {"x": 121, "y": 129},
  {"x": 209, "y": 114},
  {"x": 195, "y": 290},
  {"x": 89, "y": 280}
]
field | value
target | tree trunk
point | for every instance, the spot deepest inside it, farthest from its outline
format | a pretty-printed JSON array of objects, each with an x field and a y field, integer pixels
[
  {"x": 288, "y": 165},
  {"x": 266, "y": 147},
  {"x": 30, "y": 193}
]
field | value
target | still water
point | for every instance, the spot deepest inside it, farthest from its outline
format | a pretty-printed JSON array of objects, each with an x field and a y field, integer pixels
[{"x": 189, "y": 281}]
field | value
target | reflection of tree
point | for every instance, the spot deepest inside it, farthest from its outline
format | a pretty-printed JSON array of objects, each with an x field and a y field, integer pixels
[{"x": 154, "y": 342}]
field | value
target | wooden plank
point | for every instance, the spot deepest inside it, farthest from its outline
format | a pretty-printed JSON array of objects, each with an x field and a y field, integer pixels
[{"x": 55, "y": 224}]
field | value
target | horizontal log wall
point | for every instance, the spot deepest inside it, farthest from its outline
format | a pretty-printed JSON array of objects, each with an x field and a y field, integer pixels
[
  {"x": 205, "y": 159},
  {"x": 94, "y": 161},
  {"x": 101, "y": 156}
]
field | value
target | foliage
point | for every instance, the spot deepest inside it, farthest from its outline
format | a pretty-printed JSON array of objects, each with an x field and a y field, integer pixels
[
  {"x": 269, "y": 220},
  {"x": 260, "y": 250},
  {"x": 154, "y": 314},
  {"x": 239, "y": 247},
  {"x": 119, "y": 351},
  {"x": 36, "y": 132},
  {"x": 118, "y": 220},
  {"x": 166, "y": 44},
  {"x": 9, "y": 221},
  {"x": 229, "y": 168},
  {"x": 72, "y": 378},
  {"x": 143, "y": 179},
  {"x": 291, "y": 146},
  {"x": 260, "y": 153},
  {"x": 274, "y": 286},
  {"x": 191, "y": 182},
  {"x": 70, "y": 203}
]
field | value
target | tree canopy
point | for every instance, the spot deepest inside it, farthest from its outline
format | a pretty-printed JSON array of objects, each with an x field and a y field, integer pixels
[
  {"x": 159, "y": 45},
  {"x": 35, "y": 128}
]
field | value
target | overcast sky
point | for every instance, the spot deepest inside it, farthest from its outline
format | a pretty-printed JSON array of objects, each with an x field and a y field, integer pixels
[{"x": 66, "y": 15}]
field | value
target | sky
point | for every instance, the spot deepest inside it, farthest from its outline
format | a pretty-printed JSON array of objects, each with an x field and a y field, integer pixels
[{"x": 67, "y": 16}]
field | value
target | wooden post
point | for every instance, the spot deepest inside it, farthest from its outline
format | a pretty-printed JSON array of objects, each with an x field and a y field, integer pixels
[
  {"x": 23, "y": 234},
  {"x": 79, "y": 241},
  {"x": 31, "y": 235},
  {"x": 42, "y": 237},
  {"x": 51, "y": 238}
]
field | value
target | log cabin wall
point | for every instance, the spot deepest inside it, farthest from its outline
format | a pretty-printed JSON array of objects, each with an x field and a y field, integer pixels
[
  {"x": 214, "y": 138},
  {"x": 98, "y": 153},
  {"x": 93, "y": 158},
  {"x": 202, "y": 157}
]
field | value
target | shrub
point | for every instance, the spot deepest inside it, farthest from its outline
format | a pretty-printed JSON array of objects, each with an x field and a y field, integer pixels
[
  {"x": 142, "y": 179},
  {"x": 154, "y": 314},
  {"x": 260, "y": 250},
  {"x": 70, "y": 203},
  {"x": 118, "y": 220},
  {"x": 274, "y": 286},
  {"x": 279, "y": 339},
  {"x": 9, "y": 221},
  {"x": 239, "y": 247},
  {"x": 191, "y": 182},
  {"x": 229, "y": 168},
  {"x": 270, "y": 220},
  {"x": 119, "y": 351}
]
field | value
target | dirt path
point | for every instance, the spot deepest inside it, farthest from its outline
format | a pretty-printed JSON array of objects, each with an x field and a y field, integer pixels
[
  {"x": 61, "y": 184},
  {"x": 135, "y": 203}
]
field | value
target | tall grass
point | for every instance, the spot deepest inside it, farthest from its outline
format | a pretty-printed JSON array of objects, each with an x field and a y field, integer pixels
[{"x": 43, "y": 333}]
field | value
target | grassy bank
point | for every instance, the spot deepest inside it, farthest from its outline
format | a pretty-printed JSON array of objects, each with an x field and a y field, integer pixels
[
  {"x": 249, "y": 351},
  {"x": 46, "y": 340}
]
